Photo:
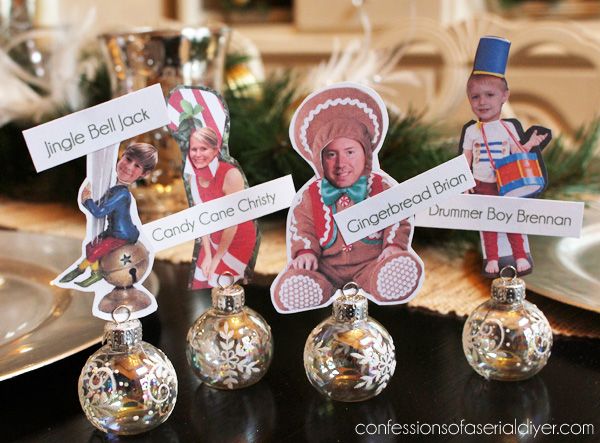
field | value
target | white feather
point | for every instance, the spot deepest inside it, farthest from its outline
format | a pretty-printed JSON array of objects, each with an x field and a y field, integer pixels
[
  {"x": 59, "y": 88},
  {"x": 359, "y": 62}
]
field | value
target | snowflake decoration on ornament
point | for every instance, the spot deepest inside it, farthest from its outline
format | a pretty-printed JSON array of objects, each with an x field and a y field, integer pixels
[
  {"x": 378, "y": 356},
  {"x": 236, "y": 359}
]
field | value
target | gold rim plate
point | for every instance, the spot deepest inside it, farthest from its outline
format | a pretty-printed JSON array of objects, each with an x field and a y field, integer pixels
[
  {"x": 566, "y": 269},
  {"x": 41, "y": 323}
]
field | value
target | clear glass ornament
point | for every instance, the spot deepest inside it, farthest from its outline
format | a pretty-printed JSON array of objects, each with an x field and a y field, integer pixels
[
  {"x": 230, "y": 346},
  {"x": 128, "y": 386},
  {"x": 349, "y": 356},
  {"x": 507, "y": 337}
]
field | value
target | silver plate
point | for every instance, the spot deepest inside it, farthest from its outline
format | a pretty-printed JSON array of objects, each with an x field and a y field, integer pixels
[
  {"x": 568, "y": 269},
  {"x": 40, "y": 323}
]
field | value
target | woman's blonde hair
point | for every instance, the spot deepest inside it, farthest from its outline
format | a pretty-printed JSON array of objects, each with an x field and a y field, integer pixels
[{"x": 206, "y": 135}]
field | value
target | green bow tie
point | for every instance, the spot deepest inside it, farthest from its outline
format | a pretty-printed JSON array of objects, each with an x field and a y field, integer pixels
[{"x": 357, "y": 192}]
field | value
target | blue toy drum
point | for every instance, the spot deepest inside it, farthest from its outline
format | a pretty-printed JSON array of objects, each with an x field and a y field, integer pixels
[{"x": 519, "y": 175}]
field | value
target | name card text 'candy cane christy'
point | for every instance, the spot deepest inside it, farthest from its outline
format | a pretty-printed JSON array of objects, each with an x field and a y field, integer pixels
[{"x": 221, "y": 213}]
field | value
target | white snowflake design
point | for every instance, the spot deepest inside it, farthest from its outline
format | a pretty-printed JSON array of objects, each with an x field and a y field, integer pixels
[
  {"x": 542, "y": 333},
  {"x": 327, "y": 352},
  {"x": 159, "y": 382},
  {"x": 321, "y": 350},
  {"x": 100, "y": 382},
  {"x": 379, "y": 358},
  {"x": 236, "y": 358},
  {"x": 486, "y": 337}
]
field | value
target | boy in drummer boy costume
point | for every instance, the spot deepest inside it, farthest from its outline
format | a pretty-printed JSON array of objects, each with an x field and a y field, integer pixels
[
  {"x": 487, "y": 143},
  {"x": 338, "y": 131}
]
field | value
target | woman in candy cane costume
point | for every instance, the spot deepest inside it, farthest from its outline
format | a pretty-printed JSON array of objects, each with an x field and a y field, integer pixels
[
  {"x": 338, "y": 131},
  {"x": 200, "y": 124},
  {"x": 230, "y": 249}
]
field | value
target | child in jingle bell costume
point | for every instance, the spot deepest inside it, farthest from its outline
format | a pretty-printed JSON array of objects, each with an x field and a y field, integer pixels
[
  {"x": 338, "y": 131},
  {"x": 138, "y": 160},
  {"x": 491, "y": 139}
]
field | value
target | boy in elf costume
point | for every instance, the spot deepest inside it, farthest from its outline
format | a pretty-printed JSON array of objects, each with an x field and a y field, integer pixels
[
  {"x": 338, "y": 131},
  {"x": 137, "y": 161},
  {"x": 488, "y": 142}
]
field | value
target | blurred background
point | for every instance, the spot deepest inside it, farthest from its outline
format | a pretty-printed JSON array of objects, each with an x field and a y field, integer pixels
[
  {"x": 58, "y": 56},
  {"x": 265, "y": 57}
]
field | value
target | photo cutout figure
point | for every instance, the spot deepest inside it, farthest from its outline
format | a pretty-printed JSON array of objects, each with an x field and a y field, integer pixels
[
  {"x": 199, "y": 121},
  {"x": 505, "y": 160},
  {"x": 339, "y": 131},
  {"x": 115, "y": 261}
]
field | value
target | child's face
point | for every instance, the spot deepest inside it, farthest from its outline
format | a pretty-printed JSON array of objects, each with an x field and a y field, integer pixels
[
  {"x": 201, "y": 153},
  {"x": 343, "y": 162},
  {"x": 486, "y": 96},
  {"x": 129, "y": 170}
]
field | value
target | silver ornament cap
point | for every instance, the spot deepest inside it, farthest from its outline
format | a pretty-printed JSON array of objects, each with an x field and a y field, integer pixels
[
  {"x": 350, "y": 306},
  {"x": 229, "y": 298},
  {"x": 122, "y": 336},
  {"x": 507, "y": 288}
]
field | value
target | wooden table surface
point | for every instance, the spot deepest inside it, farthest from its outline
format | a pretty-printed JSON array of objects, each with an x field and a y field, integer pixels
[{"x": 433, "y": 384}]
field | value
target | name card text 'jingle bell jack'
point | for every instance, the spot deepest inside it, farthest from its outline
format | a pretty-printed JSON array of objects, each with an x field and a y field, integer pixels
[{"x": 91, "y": 129}]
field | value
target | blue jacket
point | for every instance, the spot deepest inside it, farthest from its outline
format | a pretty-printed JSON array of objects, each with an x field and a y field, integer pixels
[{"x": 115, "y": 205}]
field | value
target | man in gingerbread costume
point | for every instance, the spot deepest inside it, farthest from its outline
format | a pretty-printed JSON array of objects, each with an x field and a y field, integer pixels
[{"x": 338, "y": 131}]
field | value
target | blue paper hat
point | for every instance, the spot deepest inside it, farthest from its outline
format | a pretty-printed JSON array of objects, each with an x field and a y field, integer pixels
[{"x": 491, "y": 56}]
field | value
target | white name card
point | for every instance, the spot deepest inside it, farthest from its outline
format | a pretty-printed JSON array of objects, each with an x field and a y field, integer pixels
[
  {"x": 221, "y": 213},
  {"x": 403, "y": 200},
  {"x": 505, "y": 214},
  {"x": 91, "y": 129}
]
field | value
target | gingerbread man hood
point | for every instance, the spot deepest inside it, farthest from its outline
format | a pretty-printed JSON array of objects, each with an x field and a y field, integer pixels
[{"x": 342, "y": 110}]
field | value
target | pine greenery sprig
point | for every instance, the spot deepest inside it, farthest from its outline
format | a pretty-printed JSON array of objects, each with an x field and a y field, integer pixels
[
  {"x": 575, "y": 170},
  {"x": 258, "y": 136},
  {"x": 412, "y": 147},
  {"x": 259, "y": 140}
]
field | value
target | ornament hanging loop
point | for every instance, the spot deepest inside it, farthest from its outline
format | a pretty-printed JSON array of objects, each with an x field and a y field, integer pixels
[
  {"x": 504, "y": 273},
  {"x": 228, "y": 298},
  {"x": 351, "y": 305},
  {"x": 508, "y": 288},
  {"x": 230, "y": 283},
  {"x": 115, "y": 313},
  {"x": 124, "y": 332},
  {"x": 350, "y": 289}
]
